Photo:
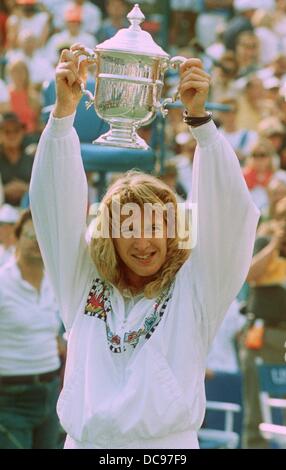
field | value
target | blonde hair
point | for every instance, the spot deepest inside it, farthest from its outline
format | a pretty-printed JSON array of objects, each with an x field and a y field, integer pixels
[{"x": 140, "y": 188}]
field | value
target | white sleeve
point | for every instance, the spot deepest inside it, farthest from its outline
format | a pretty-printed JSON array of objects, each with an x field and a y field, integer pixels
[
  {"x": 227, "y": 221},
  {"x": 58, "y": 198}
]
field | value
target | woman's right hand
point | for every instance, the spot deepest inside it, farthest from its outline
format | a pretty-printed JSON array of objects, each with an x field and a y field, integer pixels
[{"x": 70, "y": 73}]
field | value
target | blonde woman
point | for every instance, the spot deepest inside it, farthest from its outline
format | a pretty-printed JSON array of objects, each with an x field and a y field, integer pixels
[
  {"x": 24, "y": 99},
  {"x": 140, "y": 311}
]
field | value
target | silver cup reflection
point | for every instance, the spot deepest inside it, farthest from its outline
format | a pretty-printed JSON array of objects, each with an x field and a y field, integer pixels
[{"x": 129, "y": 76}]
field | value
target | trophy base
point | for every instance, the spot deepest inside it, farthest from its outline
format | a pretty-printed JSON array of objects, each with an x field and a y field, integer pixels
[{"x": 122, "y": 137}]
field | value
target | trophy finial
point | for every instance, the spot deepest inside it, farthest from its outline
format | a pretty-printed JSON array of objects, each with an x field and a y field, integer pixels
[{"x": 135, "y": 17}]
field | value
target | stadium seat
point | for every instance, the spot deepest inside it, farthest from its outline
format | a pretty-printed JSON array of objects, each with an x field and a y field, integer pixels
[{"x": 272, "y": 395}]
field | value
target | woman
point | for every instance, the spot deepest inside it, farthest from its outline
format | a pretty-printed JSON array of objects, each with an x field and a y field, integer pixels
[
  {"x": 29, "y": 358},
  {"x": 140, "y": 312},
  {"x": 258, "y": 171},
  {"x": 24, "y": 99}
]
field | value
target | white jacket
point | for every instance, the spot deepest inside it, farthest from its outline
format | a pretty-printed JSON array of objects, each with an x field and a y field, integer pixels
[{"x": 151, "y": 395}]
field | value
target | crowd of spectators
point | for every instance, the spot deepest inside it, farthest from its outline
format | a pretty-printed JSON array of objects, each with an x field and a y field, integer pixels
[{"x": 243, "y": 46}]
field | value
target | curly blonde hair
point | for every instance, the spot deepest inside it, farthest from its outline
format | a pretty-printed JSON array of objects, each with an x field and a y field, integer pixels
[{"x": 140, "y": 188}]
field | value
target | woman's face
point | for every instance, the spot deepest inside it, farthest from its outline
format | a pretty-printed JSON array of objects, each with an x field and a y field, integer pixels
[
  {"x": 27, "y": 244},
  {"x": 142, "y": 254},
  {"x": 19, "y": 74},
  {"x": 261, "y": 159}
]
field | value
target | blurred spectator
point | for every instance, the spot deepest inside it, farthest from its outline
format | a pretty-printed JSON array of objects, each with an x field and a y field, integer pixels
[
  {"x": 277, "y": 68},
  {"x": 71, "y": 35},
  {"x": 276, "y": 190},
  {"x": 214, "y": 15},
  {"x": 241, "y": 21},
  {"x": 258, "y": 171},
  {"x": 91, "y": 16},
  {"x": 223, "y": 77},
  {"x": 38, "y": 64},
  {"x": 251, "y": 103},
  {"x": 186, "y": 146},
  {"x": 170, "y": 177},
  {"x": 15, "y": 161},
  {"x": 279, "y": 22},
  {"x": 281, "y": 105},
  {"x": 272, "y": 90},
  {"x": 182, "y": 28},
  {"x": 223, "y": 353},
  {"x": 6, "y": 9},
  {"x": 1, "y": 192},
  {"x": 241, "y": 140},
  {"x": 247, "y": 52},
  {"x": 117, "y": 11},
  {"x": 217, "y": 48},
  {"x": 29, "y": 357},
  {"x": 4, "y": 97},
  {"x": 282, "y": 154},
  {"x": 24, "y": 100},
  {"x": 8, "y": 218},
  {"x": 269, "y": 41},
  {"x": 266, "y": 331},
  {"x": 28, "y": 17},
  {"x": 273, "y": 130}
]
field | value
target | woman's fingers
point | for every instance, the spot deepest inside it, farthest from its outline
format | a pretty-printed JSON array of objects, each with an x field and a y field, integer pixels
[
  {"x": 189, "y": 63},
  {"x": 194, "y": 84},
  {"x": 195, "y": 77},
  {"x": 67, "y": 75},
  {"x": 195, "y": 70}
]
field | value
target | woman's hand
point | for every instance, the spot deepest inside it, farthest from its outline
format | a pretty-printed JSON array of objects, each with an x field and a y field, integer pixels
[
  {"x": 70, "y": 73},
  {"x": 194, "y": 87}
]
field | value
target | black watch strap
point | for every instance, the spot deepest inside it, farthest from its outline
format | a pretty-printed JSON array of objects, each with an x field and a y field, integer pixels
[{"x": 194, "y": 121}]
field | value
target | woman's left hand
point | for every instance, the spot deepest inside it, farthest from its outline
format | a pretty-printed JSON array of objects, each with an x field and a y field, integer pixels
[{"x": 194, "y": 87}]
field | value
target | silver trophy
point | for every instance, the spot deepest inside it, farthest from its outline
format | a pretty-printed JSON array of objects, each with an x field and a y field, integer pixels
[{"x": 129, "y": 76}]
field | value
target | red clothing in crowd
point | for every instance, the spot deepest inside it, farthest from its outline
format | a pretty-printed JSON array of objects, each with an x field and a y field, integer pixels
[
  {"x": 3, "y": 19},
  {"x": 20, "y": 105},
  {"x": 254, "y": 179}
]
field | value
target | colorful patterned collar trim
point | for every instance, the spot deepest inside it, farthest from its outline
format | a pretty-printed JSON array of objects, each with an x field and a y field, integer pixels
[{"x": 98, "y": 305}]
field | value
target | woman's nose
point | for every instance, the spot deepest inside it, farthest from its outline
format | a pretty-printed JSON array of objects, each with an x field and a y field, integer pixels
[{"x": 141, "y": 243}]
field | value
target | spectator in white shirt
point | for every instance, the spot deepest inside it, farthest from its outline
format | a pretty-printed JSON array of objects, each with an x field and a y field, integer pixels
[
  {"x": 91, "y": 16},
  {"x": 223, "y": 354},
  {"x": 73, "y": 34},
  {"x": 38, "y": 64},
  {"x": 29, "y": 17},
  {"x": 241, "y": 139},
  {"x": 9, "y": 215},
  {"x": 29, "y": 358},
  {"x": 140, "y": 313}
]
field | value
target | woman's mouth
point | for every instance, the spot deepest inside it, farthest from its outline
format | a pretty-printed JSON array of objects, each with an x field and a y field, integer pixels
[{"x": 145, "y": 259}]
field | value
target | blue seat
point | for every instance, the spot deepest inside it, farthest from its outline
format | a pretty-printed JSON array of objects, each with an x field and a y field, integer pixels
[
  {"x": 87, "y": 123},
  {"x": 223, "y": 420},
  {"x": 272, "y": 395}
]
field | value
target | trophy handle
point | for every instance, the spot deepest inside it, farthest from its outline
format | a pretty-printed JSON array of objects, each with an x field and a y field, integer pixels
[
  {"x": 91, "y": 55},
  {"x": 175, "y": 62}
]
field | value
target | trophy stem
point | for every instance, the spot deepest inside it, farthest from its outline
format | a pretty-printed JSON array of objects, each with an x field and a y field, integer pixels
[{"x": 121, "y": 135}]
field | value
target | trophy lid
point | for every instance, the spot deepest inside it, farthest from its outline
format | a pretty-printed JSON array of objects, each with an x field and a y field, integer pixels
[{"x": 133, "y": 39}]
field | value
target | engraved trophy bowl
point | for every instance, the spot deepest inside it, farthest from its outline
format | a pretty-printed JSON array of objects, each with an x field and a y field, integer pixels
[{"x": 129, "y": 76}]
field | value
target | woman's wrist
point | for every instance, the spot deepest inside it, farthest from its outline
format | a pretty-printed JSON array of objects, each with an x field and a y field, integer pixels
[
  {"x": 196, "y": 120},
  {"x": 60, "y": 111},
  {"x": 196, "y": 113}
]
